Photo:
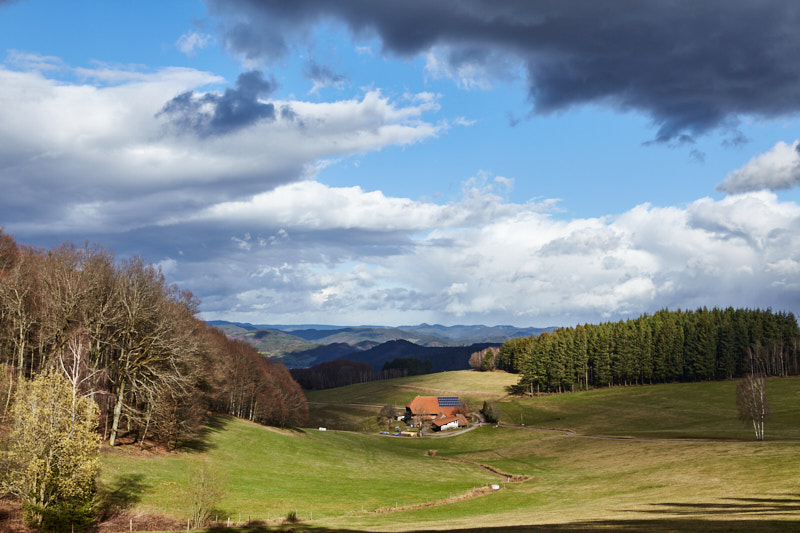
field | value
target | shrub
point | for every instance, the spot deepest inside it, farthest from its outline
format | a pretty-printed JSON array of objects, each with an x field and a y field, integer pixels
[{"x": 53, "y": 461}]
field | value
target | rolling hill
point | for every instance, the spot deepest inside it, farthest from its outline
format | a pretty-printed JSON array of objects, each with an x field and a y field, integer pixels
[
  {"x": 591, "y": 461},
  {"x": 448, "y": 347},
  {"x": 473, "y": 334}
]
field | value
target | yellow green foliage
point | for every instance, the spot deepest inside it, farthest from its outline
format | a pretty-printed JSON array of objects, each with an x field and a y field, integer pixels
[{"x": 53, "y": 455}]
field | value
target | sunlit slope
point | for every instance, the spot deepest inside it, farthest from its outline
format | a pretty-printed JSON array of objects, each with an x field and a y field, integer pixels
[
  {"x": 668, "y": 478},
  {"x": 269, "y": 473},
  {"x": 588, "y": 484},
  {"x": 473, "y": 387},
  {"x": 679, "y": 410}
]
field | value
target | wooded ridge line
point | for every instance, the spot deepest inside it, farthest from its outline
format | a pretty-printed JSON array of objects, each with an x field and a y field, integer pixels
[{"x": 668, "y": 346}]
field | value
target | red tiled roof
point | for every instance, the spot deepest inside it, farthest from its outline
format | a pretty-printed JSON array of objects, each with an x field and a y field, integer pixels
[
  {"x": 462, "y": 421},
  {"x": 429, "y": 405}
]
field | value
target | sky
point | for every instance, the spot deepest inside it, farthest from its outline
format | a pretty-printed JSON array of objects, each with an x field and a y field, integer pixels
[{"x": 398, "y": 162}]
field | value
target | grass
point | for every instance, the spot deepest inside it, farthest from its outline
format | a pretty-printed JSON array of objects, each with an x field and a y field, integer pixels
[
  {"x": 267, "y": 473},
  {"x": 355, "y": 406},
  {"x": 474, "y": 387},
  {"x": 576, "y": 482},
  {"x": 668, "y": 479},
  {"x": 680, "y": 410}
]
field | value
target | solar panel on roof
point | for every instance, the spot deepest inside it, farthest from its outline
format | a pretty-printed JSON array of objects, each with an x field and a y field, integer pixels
[{"x": 449, "y": 401}]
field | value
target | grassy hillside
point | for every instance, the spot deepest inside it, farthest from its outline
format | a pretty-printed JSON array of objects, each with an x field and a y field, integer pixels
[
  {"x": 267, "y": 473},
  {"x": 354, "y": 407},
  {"x": 472, "y": 386},
  {"x": 575, "y": 483},
  {"x": 681, "y": 410}
]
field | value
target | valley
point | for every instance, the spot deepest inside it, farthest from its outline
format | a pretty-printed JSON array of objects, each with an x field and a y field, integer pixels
[{"x": 671, "y": 458}]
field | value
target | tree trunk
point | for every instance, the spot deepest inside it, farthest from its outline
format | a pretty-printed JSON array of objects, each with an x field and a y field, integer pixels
[
  {"x": 146, "y": 427},
  {"x": 117, "y": 413},
  {"x": 10, "y": 393}
]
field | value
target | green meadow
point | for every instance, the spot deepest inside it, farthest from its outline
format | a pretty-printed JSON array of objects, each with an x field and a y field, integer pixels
[{"x": 652, "y": 458}]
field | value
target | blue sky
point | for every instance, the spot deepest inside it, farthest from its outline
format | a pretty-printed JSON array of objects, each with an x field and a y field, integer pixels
[{"x": 392, "y": 163}]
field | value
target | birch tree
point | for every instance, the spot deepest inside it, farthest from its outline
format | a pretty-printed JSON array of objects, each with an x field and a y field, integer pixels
[{"x": 751, "y": 398}]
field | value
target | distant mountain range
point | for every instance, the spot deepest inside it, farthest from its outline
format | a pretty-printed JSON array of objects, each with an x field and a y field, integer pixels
[{"x": 302, "y": 346}]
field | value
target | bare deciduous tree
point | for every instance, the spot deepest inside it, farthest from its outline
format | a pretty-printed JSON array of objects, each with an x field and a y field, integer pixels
[
  {"x": 751, "y": 398},
  {"x": 130, "y": 343},
  {"x": 204, "y": 492}
]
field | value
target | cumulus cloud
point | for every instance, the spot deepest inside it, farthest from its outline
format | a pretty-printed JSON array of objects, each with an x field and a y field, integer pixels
[
  {"x": 690, "y": 66},
  {"x": 112, "y": 154},
  {"x": 312, "y": 206},
  {"x": 776, "y": 169},
  {"x": 306, "y": 252}
]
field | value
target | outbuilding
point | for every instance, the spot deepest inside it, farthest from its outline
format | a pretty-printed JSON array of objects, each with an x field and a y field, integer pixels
[{"x": 450, "y": 422}]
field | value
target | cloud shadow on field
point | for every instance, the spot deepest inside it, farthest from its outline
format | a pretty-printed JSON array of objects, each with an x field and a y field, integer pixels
[
  {"x": 629, "y": 526},
  {"x": 731, "y": 506},
  {"x": 740, "y": 516}
]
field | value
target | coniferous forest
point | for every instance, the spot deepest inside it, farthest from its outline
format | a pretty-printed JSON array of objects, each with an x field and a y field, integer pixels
[
  {"x": 668, "y": 346},
  {"x": 130, "y": 342}
]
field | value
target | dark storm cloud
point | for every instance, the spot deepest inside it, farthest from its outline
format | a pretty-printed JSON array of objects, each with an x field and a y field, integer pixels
[
  {"x": 214, "y": 114},
  {"x": 690, "y": 66}
]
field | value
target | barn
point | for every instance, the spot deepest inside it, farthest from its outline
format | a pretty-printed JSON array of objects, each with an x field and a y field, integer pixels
[{"x": 430, "y": 408}]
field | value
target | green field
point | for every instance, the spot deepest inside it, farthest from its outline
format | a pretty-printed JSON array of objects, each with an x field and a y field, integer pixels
[
  {"x": 680, "y": 410},
  {"x": 692, "y": 466},
  {"x": 354, "y": 407}
]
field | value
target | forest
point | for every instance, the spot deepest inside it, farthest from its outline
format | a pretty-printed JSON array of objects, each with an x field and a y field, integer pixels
[
  {"x": 132, "y": 344},
  {"x": 668, "y": 346}
]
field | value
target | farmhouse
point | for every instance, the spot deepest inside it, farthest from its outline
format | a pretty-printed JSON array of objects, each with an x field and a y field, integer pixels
[{"x": 430, "y": 408}]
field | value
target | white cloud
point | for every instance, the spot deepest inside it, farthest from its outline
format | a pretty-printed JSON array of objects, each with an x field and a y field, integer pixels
[
  {"x": 239, "y": 220},
  {"x": 104, "y": 157},
  {"x": 777, "y": 169},
  {"x": 512, "y": 263},
  {"x": 471, "y": 69},
  {"x": 190, "y": 42},
  {"x": 167, "y": 266},
  {"x": 310, "y": 205}
]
